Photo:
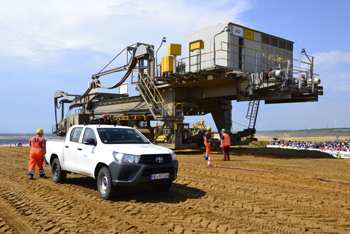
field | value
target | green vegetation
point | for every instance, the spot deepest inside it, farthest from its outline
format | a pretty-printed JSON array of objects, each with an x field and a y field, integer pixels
[{"x": 260, "y": 144}]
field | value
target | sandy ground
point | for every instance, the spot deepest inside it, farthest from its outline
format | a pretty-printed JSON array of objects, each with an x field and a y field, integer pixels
[{"x": 259, "y": 191}]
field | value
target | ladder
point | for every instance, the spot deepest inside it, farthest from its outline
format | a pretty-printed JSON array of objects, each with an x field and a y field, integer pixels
[{"x": 252, "y": 113}]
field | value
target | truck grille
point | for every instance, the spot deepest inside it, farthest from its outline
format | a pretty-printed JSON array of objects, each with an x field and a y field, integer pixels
[
  {"x": 152, "y": 158},
  {"x": 148, "y": 172}
]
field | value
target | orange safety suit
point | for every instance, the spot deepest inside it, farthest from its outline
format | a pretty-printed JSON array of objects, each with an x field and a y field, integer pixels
[
  {"x": 226, "y": 145},
  {"x": 208, "y": 147},
  {"x": 207, "y": 137},
  {"x": 37, "y": 152},
  {"x": 226, "y": 140}
]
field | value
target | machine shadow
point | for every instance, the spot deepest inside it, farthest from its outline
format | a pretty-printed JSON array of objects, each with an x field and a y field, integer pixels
[{"x": 178, "y": 192}]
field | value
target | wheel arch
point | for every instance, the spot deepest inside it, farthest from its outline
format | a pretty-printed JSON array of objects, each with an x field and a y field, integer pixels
[
  {"x": 53, "y": 157},
  {"x": 98, "y": 167}
]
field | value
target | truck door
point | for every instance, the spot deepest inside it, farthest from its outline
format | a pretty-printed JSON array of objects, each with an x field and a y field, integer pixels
[
  {"x": 86, "y": 156},
  {"x": 71, "y": 148}
]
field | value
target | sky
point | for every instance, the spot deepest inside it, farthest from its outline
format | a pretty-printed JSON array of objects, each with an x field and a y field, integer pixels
[{"x": 48, "y": 45}]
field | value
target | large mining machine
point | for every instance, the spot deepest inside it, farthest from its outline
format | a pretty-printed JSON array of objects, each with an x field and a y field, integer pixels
[{"x": 223, "y": 63}]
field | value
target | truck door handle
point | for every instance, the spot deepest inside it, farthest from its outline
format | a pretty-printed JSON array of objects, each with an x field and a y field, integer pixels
[
  {"x": 66, "y": 146},
  {"x": 79, "y": 148}
]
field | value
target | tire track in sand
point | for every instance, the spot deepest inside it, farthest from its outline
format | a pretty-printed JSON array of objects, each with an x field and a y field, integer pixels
[
  {"x": 36, "y": 210},
  {"x": 287, "y": 215}
]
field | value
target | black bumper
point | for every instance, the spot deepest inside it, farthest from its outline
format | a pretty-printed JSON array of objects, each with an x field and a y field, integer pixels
[{"x": 129, "y": 174}]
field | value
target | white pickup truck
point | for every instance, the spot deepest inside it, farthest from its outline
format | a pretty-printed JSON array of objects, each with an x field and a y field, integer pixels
[{"x": 114, "y": 156}]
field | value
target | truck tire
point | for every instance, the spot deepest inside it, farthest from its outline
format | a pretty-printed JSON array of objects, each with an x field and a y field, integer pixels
[
  {"x": 162, "y": 187},
  {"x": 57, "y": 174},
  {"x": 104, "y": 184}
]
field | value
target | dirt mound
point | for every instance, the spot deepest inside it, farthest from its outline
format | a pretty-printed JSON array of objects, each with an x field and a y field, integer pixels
[{"x": 258, "y": 191}]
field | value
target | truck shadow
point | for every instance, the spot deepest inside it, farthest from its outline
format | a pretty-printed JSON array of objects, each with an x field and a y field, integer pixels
[{"x": 177, "y": 193}]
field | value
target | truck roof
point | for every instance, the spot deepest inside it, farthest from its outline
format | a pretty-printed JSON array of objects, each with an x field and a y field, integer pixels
[{"x": 102, "y": 126}]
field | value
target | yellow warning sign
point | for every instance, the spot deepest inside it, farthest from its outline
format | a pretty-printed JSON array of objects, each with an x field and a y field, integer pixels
[{"x": 249, "y": 34}]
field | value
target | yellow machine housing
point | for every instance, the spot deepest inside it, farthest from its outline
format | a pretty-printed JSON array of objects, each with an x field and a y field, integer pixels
[
  {"x": 168, "y": 64},
  {"x": 174, "y": 49},
  {"x": 147, "y": 132},
  {"x": 177, "y": 126}
]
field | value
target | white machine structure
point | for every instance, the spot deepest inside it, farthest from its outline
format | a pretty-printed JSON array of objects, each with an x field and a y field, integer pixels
[{"x": 223, "y": 63}]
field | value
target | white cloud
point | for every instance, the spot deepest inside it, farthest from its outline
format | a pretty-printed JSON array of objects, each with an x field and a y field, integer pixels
[
  {"x": 333, "y": 69},
  {"x": 326, "y": 61},
  {"x": 345, "y": 75},
  {"x": 337, "y": 82},
  {"x": 42, "y": 28}
]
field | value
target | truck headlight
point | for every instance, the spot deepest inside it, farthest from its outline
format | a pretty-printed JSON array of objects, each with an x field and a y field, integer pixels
[
  {"x": 173, "y": 156},
  {"x": 126, "y": 158}
]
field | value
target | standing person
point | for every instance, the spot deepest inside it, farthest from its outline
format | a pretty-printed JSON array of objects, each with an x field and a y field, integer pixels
[
  {"x": 225, "y": 144},
  {"x": 339, "y": 155},
  {"x": 266, "y": 74},
  {"x": 37, "y": 152},
  {"x": 207, "y": 140},
  {"x": 303, "y": 80}
]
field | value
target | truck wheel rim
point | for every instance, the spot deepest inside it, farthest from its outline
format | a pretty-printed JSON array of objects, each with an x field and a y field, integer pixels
[
  {"x": 104, "y": 183},
  {"x": 56, "y": 171}
]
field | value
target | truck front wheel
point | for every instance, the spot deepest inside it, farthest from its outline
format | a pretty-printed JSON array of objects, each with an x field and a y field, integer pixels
[
  {"x": 57, "y": 174},
  {"x": 104, "y": 184}
]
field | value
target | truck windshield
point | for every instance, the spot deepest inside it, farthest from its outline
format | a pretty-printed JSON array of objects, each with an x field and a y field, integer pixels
[{"x": 121, "y": 136}]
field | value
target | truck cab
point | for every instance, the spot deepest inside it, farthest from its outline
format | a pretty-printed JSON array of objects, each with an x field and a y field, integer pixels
[{"x": 114, "y": 156}]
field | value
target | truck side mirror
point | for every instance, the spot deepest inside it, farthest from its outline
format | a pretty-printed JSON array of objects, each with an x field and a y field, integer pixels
[{"x": 89, "y": 141}]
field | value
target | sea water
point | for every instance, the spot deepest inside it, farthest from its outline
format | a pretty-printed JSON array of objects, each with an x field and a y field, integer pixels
[{"x": 12, "y": 139}]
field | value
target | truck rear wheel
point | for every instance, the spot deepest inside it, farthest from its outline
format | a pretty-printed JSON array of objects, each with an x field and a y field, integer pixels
[
  {"x": 57, "y": 174},
  {"x": 104, "y": 184},
  {"x": 163, "y": 187}
]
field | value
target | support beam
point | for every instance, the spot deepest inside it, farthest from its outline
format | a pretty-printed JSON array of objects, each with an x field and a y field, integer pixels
[{"x": 223, "y": 119}]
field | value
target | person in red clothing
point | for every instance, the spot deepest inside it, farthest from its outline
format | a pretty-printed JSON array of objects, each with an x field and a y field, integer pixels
[
  {"x": 207, "y": 140},
  {"x": 266, "y": 74},
  {"x": 37, "y": 153},
  {"x": 225, "y": 144}
]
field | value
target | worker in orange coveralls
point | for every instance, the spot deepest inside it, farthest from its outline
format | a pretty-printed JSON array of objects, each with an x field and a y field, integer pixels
[
  {"x": 225, "y": 145},
  {"x": 207, "y": 140},
  {"x": 37, "y": 153}
]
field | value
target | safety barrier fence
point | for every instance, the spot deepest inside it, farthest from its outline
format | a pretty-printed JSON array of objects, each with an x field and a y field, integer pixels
[{"x": 331, "y": 152}]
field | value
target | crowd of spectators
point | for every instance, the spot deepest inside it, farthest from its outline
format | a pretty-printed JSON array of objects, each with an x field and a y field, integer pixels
[{"x": 335, "y": 145}]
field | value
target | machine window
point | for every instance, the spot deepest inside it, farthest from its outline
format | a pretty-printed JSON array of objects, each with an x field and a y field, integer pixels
[
  {"x": 265, "y": 39},
  {"x": 274, "y": 41},
  {"x": 282, "y": 44}
]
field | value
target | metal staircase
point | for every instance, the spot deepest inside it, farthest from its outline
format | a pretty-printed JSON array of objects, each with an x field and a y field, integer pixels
[
  {"x": 252, "y": 113},
  {"x": 160, "y": 109}
]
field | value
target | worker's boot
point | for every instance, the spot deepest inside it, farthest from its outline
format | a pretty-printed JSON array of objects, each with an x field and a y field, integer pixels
[
  {"x": 42, "y": 175},
  {"x": 31, "y": 177}
]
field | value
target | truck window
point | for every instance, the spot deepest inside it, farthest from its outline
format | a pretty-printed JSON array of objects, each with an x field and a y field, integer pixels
[
  {"x": 89, "y": 133},
  {"x": 75, "y": 134},
  {"x": 121, "y": 136}
]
